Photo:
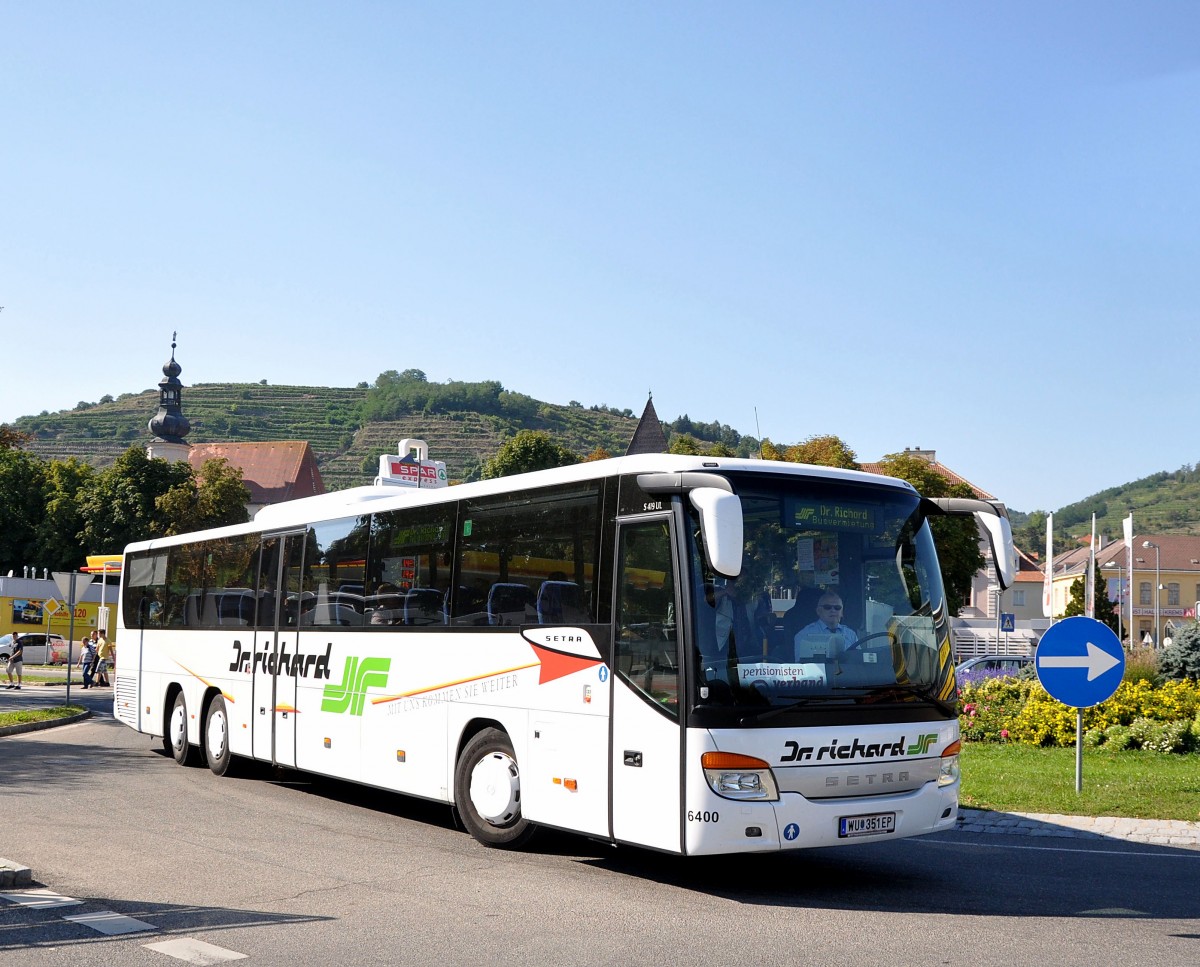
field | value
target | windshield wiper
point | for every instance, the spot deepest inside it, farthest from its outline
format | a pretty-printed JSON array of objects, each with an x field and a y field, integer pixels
[
  {"x": 770, "y": 713},
  {"x": 880, "y": 693}
]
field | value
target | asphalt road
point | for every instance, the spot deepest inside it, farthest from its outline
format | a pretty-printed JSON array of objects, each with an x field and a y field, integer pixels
[{"x": 281, "y": 868}]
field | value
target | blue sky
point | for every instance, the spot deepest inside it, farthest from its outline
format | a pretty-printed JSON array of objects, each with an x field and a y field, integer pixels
[{"x": 967, "y": 227}]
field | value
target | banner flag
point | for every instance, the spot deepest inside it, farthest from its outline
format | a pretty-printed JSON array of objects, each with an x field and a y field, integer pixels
[{"x": 1048, "y": 582}]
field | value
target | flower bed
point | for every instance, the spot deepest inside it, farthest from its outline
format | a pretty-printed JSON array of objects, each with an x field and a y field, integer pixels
[{"x": 1140, "y": 715}]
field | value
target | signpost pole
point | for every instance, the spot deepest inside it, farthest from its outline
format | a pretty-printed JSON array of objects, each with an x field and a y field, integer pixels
[
  {"x": 1079, "y": 750},
  {"x": 68, "y": 584},
  {"x": 1080, "y": 662}
]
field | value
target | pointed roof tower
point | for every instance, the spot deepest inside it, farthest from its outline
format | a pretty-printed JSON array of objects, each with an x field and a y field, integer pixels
[
  {"x": 649, "y": 436},
  {"x": 169, "y": 425}
]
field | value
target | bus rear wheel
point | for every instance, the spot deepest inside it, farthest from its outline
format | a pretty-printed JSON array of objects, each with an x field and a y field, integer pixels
[
  {"x": 216, "y": 737},
  {"x": 175, "y": 739},
  {"x": 487, "y": 791}
]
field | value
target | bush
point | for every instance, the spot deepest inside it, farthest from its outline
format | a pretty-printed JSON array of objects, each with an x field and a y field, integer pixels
[
  {"x": 1181, "y": 658},
  {"x": 1139, "y": 715},
  {"x": 1141, "y": 664}
]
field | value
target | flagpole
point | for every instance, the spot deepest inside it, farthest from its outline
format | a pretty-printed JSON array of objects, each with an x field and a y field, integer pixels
[{"x": 1089, "y": 586}]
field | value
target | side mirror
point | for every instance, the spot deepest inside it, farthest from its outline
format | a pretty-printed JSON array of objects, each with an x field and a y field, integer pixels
[
  {"x": 720, "y": 528},
  {"x": 999, "y": 534},
  {"x": 993, "y": 516}
]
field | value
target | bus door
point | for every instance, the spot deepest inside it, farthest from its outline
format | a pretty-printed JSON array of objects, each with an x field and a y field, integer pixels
[
  {"x": 278, "y": 623},
  {"x": 646, "y": 730}
]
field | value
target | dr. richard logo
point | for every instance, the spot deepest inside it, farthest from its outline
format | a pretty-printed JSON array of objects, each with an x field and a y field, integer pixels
[{"x": 351, "y": 694}]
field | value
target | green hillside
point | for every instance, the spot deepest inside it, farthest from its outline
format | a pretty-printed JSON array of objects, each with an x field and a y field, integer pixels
[
  {"x": 346, "y": 441},
  {"x": 1162, "y": 503},
  {"x": 465, "y": 424}
]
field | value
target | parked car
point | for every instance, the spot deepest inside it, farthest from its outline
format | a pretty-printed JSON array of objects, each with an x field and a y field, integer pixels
[
  {"x": 993, "y": 666},
  {"x": 40, "y": 648}
]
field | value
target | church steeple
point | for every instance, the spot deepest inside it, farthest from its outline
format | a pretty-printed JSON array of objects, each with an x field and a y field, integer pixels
[
  {"x": 169, "y": 425},
  {"x": 649, "y": 436}
]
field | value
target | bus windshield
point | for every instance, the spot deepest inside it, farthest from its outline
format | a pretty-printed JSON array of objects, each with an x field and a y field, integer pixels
[{"x": 839, "y": 604}]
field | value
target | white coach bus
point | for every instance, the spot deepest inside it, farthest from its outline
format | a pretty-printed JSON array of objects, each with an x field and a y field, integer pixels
[{"x": 636, "y": 649}]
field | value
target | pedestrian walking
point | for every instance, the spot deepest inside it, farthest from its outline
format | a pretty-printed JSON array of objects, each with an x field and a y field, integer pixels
[
  {"x": 16, "y": 663},
  {"x": 87, "y": 661},
  {"x": 103, "y": 653}
]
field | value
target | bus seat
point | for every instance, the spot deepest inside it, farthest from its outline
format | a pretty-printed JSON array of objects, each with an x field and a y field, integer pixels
[
  {"x": 560, "y": 602},
  {"x": 509, "y": 604},
  {"x": 423, "y": 606}
]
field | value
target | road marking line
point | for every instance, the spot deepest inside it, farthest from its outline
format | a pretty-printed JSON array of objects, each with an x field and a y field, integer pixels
[
  {"x": 40, "y": 899},
  {"x": 194, "y": 951},
  {"x": 110, "y": 923}
]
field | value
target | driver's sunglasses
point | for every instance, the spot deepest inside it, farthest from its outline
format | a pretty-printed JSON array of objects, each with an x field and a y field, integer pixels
[{"x": 831, "y": 607}]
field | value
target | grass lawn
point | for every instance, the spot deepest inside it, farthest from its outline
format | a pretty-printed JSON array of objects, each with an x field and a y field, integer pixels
[
  {"x": 1026, "y": 779},
  {"x": 26, "y": 716}
]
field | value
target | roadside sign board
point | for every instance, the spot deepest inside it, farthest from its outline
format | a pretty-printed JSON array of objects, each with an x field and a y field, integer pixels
[
  {"x": 50, "y": 606},
  {"x": 1080, "y": 662},
  {"x": 1008, "y": 622}
]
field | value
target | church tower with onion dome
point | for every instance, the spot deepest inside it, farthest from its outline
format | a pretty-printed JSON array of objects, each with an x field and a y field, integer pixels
[{"x": 169, "y": 425}]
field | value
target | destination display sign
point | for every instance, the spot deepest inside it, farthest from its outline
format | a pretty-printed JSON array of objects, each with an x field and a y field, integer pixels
[{"x": 830, "y": 515}]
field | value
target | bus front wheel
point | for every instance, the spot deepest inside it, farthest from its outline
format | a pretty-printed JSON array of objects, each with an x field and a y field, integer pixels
[
  {"x": 487, "y": 791},
  {"x": 175, "y": 740}
]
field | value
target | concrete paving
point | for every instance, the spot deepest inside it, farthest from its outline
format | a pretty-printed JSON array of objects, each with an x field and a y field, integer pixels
[{"x": 1156, "y": 832}]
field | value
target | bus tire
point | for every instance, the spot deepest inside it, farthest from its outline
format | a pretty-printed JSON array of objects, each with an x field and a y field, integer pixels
[
  {"x": 216, "y": 738},
  {"x": 175, "y": 740},
  {"x": 487, "y": 791}
]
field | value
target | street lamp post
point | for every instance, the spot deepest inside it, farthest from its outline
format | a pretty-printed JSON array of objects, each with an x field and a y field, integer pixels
[{"x": 1157, "y": 587}]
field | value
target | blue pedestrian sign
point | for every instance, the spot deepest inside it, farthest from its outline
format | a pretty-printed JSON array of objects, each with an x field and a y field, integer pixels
[
  {"x": 1080, "y": 662},
  {"x": 1008, "y": 622}
]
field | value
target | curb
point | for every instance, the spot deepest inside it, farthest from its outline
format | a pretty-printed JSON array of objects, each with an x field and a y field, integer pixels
[
  {"x": 38, "y": 727},
  {"x": 1153, "y": 832},
  {"x": 13, "y": 874}
]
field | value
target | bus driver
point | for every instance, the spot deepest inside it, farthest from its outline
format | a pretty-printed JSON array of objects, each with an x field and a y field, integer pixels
[{"x": 826, "y": 637}]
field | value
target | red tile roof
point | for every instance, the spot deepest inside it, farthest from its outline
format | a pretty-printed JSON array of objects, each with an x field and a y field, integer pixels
[
  {"x": 273, "y": 472},
  {"x": 941, "y": 470}
]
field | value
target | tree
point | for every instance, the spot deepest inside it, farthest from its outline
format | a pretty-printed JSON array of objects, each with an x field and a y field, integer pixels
[
  {"x": 1105, "y": 609},
  {"x": 956, "y": 538},
  {"x": 214, "y": 497},
  {"x": 120, "y": 505},
  {"x": 528, "y": 450},
  {"x": 1181, "y": 658},
  {"x": 689, "y": 446},
  {"x": 825, "y": 451},
  {"x": 57, "y": 542},
  {"x": 11, "y": 439},
  {"x": 22, "y": 507}
]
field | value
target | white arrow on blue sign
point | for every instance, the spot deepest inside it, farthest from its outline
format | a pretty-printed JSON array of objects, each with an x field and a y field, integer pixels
[{"x": 1080, "y": 662}]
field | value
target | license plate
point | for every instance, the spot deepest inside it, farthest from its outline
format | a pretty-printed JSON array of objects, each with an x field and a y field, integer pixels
[{"x": 870, "y": 825}]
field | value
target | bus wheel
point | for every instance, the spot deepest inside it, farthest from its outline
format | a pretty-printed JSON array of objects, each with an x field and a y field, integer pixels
[
  {"x": 216, "y": 737},
  {"x": 487, "y": 791},
  {"x": 175, "y": 740}
]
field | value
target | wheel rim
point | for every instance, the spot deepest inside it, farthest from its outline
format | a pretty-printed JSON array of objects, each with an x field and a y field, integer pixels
[
  {"x": 178, "y": 727},
  {"x": 217, "y": 733},
  {"x": 496, "y": 789}
]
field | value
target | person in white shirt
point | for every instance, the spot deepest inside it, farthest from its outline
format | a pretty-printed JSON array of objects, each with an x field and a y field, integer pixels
[{"x": 826, "y": 637}]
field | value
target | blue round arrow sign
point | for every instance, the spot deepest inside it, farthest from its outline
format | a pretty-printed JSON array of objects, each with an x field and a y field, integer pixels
[{"x": 1080, "y": 661}]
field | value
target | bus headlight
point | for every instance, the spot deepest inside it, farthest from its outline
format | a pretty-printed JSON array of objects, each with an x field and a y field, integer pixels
[
  {"x": 948, "y": 774},
  {"x": 735, "y": 776}
]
